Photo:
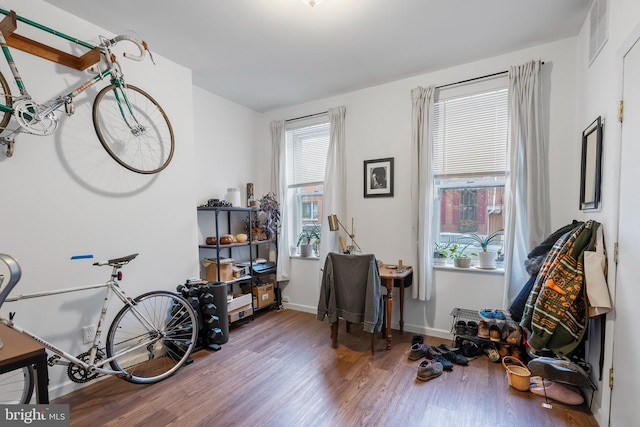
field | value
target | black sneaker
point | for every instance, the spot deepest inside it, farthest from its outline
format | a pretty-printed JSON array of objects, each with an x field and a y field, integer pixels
[
  {"x": 452, "y": 356},
  {"x": 434, "y": 354},
  {"x": 417, "y": 339},
  {"x": 470, "y": 349}
]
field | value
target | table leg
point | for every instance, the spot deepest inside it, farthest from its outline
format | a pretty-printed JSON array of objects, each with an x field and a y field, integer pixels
[
  {"x": 388, "y": 283},
  {"x": 42, "y": 380},
  {"x": 401, "y": 306}
]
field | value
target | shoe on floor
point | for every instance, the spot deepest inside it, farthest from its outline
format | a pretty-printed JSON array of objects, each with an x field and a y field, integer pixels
[
  {"x": 563, "y": 393},
  {"x": 495, "y": 334},
  {"x": 435, "y": 355},
  {"x": 504, "y": 350},
  {"x": 491, "y": 352},
  {"x": 429, "y": 369},
  {"x": 516, "y": 353},
  {"x": 560, "y": 370},
  {"x": 483, "y": 329},
  {"x": 418, "y": 351},
  {"x": 417, "y": 339},
  {"x": 470, "y": 349},
  {"x": 452, "y": 356}
]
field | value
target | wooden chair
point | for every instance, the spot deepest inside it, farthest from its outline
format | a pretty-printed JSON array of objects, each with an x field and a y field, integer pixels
[{"x": 351, "y": 289}]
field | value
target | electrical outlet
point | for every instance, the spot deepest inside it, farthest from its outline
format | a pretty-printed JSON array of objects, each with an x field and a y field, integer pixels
[
  {"x": 285, "y": 299},
  {"x": 88, "y": 334}
]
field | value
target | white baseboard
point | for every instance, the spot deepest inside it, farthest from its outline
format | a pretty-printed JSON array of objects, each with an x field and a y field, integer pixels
[{"x": 408, "y": 328}]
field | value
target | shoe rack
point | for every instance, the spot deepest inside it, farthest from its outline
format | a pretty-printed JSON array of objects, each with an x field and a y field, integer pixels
[{"x": 472, "y": 315}]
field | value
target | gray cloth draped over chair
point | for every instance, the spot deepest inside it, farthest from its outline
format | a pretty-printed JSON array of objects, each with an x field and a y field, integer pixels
[{"x": 351, "y": 289}]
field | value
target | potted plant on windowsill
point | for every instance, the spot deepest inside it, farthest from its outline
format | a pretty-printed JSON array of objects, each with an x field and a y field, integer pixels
[
  {"x": 457, "y": 253},
  {"x": 440, "y": 252},
  {"x": 307, "y": 239},
  {"x": 486, "y": 258}
]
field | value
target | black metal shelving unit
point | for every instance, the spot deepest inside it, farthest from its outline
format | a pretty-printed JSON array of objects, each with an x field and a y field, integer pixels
[{"x": 223, "y": 217}]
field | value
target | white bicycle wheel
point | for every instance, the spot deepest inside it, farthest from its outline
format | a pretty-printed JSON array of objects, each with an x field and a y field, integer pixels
[
  {"x": 152, "y": 339},
  {"x": 133, "y": 128},
  {"x": 16, "y": 386}
]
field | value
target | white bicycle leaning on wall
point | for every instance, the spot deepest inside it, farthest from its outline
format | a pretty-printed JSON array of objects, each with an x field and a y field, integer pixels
[{"x": 150, "y": 338}]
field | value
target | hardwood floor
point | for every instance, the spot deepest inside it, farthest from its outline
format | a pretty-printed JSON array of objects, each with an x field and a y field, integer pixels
[{"x": 280, "y": 370}]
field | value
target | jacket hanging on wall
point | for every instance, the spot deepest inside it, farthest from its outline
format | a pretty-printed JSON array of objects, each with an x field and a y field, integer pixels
[{"x": 556, "y": 310}]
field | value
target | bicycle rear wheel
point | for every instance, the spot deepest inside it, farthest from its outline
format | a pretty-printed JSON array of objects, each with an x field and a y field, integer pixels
[
  {"x": 7, "y": 99},
  {"x": 133, "y": 128},
  {"x": 152, "y": 339},
  {"x": 16, "y": 386}
]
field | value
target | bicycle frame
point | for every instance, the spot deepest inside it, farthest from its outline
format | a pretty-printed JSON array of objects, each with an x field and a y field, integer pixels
[
  {"x": 57, "y": 102},
  {"x": 91, "y": 366}
]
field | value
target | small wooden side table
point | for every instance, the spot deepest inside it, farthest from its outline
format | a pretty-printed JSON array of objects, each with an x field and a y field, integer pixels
[
  {"x": 19, "y": 351},
  {"x": 388, "y": 274}
]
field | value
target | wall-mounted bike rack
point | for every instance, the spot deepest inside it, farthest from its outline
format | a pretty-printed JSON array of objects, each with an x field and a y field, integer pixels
[{"x": 8, "y": 27}]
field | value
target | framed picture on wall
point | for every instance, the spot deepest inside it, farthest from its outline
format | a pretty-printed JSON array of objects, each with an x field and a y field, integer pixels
[
  {"x": 590, "y": 167},
  {"x": 378, "y": 178}
]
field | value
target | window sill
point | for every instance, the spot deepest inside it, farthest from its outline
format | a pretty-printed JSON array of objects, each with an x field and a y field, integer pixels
[
  {"x": 311, "y": 258},
  {"x": 472, "y": 269}
]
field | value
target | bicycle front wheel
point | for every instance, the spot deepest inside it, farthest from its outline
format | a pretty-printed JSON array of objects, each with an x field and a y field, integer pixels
[
  {"x": 133, "y": 128},
  {"x": 16, "y": 387},
  {"x": 153, "y": 338}
]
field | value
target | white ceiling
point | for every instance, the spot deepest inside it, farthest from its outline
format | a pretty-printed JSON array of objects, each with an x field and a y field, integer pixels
[{"x": 268, "y": 54}]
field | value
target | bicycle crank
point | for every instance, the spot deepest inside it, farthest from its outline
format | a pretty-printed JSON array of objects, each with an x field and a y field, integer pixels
[
  {"x": 27, "y": 114},
  {"x": 80, "y": 375}
]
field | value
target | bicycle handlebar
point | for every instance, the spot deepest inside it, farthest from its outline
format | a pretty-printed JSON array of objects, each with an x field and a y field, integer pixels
[{"x": 141, "y": 45}]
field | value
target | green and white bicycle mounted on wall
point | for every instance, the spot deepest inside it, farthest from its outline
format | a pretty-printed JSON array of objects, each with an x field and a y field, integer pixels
[
  {"x": 131, "y": 126},
  {"x": 149, "y": 339}
]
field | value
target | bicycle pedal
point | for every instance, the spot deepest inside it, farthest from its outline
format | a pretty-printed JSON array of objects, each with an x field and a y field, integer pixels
[{"x": 52, "y": 360}]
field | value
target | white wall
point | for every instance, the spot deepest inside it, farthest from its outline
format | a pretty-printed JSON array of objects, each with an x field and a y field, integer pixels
[
  {"x": 224, "y": 135},
  {"x": 62, "y": 195},
  {"x": 378, "y": 125}
]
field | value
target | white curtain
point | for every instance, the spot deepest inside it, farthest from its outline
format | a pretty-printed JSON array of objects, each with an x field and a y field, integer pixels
[
  {"x": 527, "y": 189},
  {"x": 279, "y": 187},
  {"x": 422, "y": 197},
  {"x": 334, "y": 200}
]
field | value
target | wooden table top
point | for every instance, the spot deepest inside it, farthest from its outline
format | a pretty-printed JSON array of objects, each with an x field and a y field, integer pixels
[
  {"x": 388, "y": 271},
  {"x": 16, "y": 346}
]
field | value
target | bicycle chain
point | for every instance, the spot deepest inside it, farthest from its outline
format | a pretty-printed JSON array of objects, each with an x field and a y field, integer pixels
[{"x": 80, "y": 375}]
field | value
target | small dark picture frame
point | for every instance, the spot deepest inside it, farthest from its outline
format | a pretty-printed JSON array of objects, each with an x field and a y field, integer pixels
[
  {"x": 591, "y": 165},
  {"x": 378, "y": 178}
]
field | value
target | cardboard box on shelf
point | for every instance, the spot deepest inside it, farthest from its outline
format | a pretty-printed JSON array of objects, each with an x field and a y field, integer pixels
[
  {"x": 240, "y": 313},
  {"x": 264, "y": 294},
  {"x": 238, "y": 300},
  {"x": 211, "y": 268}
]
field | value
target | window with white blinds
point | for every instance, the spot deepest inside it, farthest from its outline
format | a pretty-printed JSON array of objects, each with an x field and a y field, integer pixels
[
  {"x": 470, "y": 128},
  {"x": 307, "y": 155},
  {"x": 470, "y": 135}
]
